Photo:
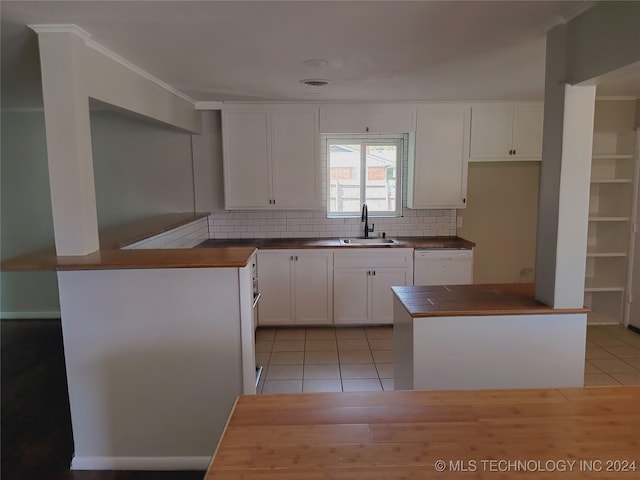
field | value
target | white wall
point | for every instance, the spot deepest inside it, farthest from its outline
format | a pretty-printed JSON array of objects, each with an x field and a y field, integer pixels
[
  {"x": 634, "y": 317},
  {"x": 141, "y": 169},
  {"x": 501, "y": 219},
  {"x": 154, "y": 363},
  {"x": 27, "y": 222},
  {"x": 603, "y": 39},
  {"x": 208, "y": 178}
]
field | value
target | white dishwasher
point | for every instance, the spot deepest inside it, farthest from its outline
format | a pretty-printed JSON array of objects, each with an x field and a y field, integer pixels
[{"x": 441, "y": 266}]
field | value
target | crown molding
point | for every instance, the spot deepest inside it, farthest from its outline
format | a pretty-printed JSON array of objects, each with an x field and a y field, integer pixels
[
  {"x": 564, "y": 19},
  {"x": 554, "y": 22},
  {"x": 209, "y": 105},
  {"x": 89, "y": 42},
  {"x": 60, "y": 28},
  {"x": 579, "y": 9}
]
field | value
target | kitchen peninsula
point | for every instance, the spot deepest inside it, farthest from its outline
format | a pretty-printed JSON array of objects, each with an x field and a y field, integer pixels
[
  {"x": 485, "y": 336},
  {"x": 158, "y": 344}
]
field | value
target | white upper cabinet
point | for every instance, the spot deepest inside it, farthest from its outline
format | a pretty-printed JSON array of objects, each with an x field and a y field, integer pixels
[
  {"x": 295, "y": 148},
  {"x": 438, "y": 166},
  {"x": 271, "y": 157},
  {"x": 506, "y": 131},
  {"x": 367, "y": 118},
  {"x": 246, "y": 156}
]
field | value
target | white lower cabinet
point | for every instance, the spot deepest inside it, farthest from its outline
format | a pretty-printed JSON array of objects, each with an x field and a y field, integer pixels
[
  {"x": 296, "y": 287},
  {"x": 362, "y": 283}
]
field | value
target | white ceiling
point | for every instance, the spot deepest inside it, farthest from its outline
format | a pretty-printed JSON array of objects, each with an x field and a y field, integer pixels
[{"x": 253, "y": 50}]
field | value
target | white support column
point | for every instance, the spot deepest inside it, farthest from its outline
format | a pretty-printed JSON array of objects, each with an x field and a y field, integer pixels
[
  {"x": 573, "y": 207},
  {"x": 66, "y": 109},
  {"x": 564, "y": 182}
]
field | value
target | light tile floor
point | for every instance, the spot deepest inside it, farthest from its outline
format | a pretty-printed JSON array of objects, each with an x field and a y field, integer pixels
[
  {"x": 296, "y": 360},
  {"x": 328, "y": 359},
  {"x": 612, "y": 356}
]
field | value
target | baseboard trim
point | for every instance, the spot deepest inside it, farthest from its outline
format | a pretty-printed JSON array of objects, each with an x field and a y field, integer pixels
[
  {"x": 140, "y": 463},
  {"x": 46, "y": 315}
]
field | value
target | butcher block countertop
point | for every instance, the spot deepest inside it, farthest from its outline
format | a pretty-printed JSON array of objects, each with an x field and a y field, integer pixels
[
  {"x": 302, "y": 243},
  {"x": 212, "y": 253},
  {"x": 471, "y": 300},
  {"x": 111, "y": 257},
  {"x": 466, "y": 434}
]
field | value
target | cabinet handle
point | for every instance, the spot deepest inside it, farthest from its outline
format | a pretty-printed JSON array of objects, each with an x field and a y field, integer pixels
[
  {"x": 374, "y": 273},
  {"x": 291, "y": 258},
  {"x": 296, "y": 258},
  {"x": 514, "y": 152},
  {"x": 368, "y": 272},
  {"x": 366, "y": 129},
  {"x": 464, "y": 200}
]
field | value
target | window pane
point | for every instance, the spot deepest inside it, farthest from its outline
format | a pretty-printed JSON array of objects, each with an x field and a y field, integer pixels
[
  {"x": 344, "y": 178},
  {"x": 382, "y": 173}
]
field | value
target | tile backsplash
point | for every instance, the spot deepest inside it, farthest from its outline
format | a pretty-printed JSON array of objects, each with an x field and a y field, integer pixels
[
  {"x": 307, "y": 224},
  {"x": 184, "y": 236}
]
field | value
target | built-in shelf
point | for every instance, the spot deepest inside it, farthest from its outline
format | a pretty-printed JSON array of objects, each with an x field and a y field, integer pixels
[
  {"x": 608, "y": 219},
  {"x": 603, "y": 288},
  {"x": 596, "y": 318},
  {"x": 596, "y": 254},
  {"x": 611, "y": 180},
  {"x": 612, "y": 157},
  {"x": 612, "y": 198}
]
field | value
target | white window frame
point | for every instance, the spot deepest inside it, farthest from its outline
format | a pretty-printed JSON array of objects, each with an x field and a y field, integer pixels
[{"x": 363, "y": 142}]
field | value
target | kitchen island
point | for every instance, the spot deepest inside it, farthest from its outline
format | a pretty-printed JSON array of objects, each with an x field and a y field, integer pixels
[
  {"x": 485, "y": 336},
  {"x": 563, "y": 434}
]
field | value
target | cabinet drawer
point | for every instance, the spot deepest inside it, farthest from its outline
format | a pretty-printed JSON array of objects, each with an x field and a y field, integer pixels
[{"x": 374, "y": 257}]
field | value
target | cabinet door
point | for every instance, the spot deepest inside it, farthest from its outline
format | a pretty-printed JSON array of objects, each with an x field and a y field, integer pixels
[
  {"x": 350, "y": 295},
  {"x": 491, "y": 131},
  {"x": 274, "y": 284},
  {"x": 527, "y": 131},
  {"x": 367, "y": 119},
  {"x": 246, "y": 147},
  {"x": 438, "y": 168},
  {"x": 295, "y": 158},
  {"x": 381, "y": 295},
  {"x": 313, "y": 287}
]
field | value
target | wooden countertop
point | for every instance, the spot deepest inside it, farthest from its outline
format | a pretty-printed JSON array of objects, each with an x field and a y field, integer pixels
[
  {"x": 468, "y": 300},
  {"x": 302, "y": 243},
  {"x": 225, "y": 253},
  {"x": 405, "y": 435},
  {"x": 111, "y": 257}
]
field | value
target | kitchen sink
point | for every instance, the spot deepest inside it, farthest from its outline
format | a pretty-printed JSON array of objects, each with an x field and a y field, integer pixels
[{"x": 372, "y": 242}]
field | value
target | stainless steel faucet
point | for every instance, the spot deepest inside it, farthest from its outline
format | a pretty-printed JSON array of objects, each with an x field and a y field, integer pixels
[{"x": 365, "y": 219}]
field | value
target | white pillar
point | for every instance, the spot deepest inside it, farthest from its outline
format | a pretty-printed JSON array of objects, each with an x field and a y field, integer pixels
[
  {"x": 564, "y": 182},
  {"x": 66, "y": 110}
]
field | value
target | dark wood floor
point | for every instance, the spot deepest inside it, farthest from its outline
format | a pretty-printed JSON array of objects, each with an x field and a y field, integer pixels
[
  {"x": 128, "y": 475},
  {"x": 36, "y": 437}
]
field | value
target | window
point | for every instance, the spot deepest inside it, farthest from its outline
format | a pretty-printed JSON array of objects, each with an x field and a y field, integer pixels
[{"x": 364, "y": 171}]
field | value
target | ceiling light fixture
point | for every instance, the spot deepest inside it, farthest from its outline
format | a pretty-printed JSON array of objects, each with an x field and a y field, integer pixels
[
  {"x": 315, "y": 82},
  {"x": 316, "y": 62}
]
